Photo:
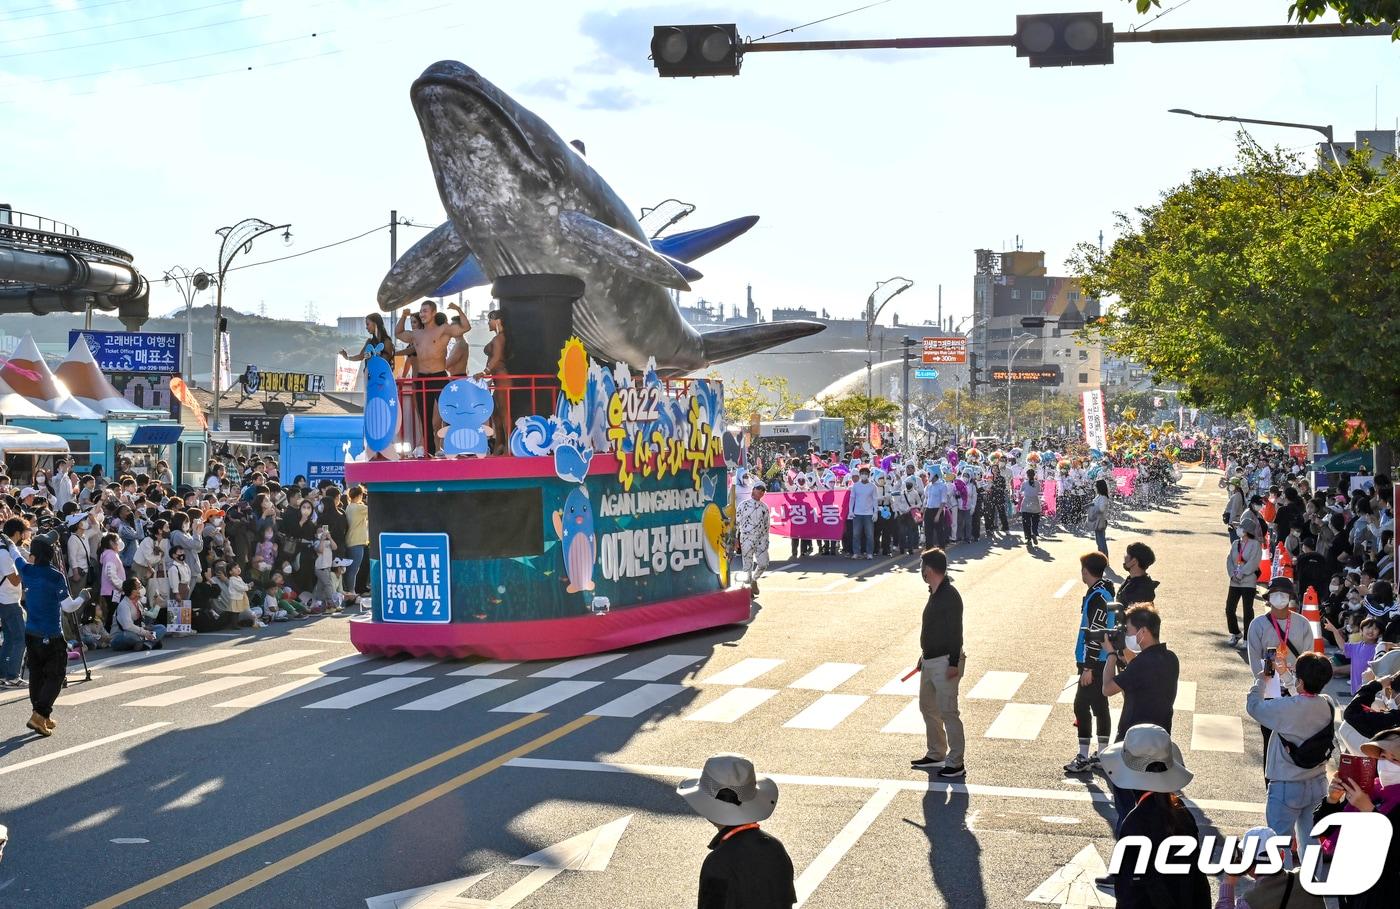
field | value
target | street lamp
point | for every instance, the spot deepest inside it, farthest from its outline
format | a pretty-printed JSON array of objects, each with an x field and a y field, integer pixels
[
  {"x": 236, "y": 239},
  {"x": 1010, "y": 367},
  {"x": 1325, "y": 130},
  {"x": 188, "y": 283},
  {"x": 872, "y": 312}
]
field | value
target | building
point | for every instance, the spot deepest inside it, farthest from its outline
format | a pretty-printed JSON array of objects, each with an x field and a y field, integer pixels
[
  {"x": 1011, "y": 286},
  {"x": 1382, "y": 142}
]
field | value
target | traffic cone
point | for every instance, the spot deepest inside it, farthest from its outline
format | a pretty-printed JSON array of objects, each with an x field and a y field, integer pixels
[
  {"x": 1285, "y": 562},
  {"x": 1313, "y": 614},
  {"x": 1266, "y": 564}
]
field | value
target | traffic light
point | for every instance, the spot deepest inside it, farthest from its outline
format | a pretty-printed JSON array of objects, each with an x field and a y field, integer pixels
[
  {"x": 696, "y": 50},
  {"x": 1064, "y": 39},
  {"x": 974, "y": 374}
]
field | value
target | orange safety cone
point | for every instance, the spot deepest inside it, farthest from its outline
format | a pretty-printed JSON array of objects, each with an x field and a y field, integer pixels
[
  {"x": 1285, "y": 563},
  {"x": 1313, "y": 613},
  {"x": 1266, "y": 565}
]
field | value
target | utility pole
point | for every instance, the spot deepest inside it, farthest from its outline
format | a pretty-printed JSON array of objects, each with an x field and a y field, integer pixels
[
  {"x": 908, "y": 356},
  {"x": 393, "y": 236}
]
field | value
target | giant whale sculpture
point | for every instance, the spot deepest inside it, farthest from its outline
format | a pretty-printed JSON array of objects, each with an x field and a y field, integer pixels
[{"x": 522, "y": 201}]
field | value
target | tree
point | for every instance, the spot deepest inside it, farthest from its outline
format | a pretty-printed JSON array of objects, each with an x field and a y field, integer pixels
[
  {"x": 860, "y": 410},
  {"x": 770, "y": 398},
  {"x": 1358, "y": 12},
  {"x": 1264, "y": 288}
]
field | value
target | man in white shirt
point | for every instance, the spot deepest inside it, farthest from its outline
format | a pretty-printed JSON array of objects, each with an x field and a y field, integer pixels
[
  {"x": 935, "y": 520},
  {"x": 62, "y": 483},
  {"x": 11, "y": 613},
  {"x": 863, "y": 494}
]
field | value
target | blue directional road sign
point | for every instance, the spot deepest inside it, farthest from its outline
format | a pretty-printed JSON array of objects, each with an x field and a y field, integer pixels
[{"x": 925, "y": 373}]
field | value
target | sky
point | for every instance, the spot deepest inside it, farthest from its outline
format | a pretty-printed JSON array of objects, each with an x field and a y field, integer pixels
[{"x": 151, "y": 123}]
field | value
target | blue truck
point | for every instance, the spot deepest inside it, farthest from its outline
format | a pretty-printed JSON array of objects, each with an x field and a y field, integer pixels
[{"x": 315, "y": 447}]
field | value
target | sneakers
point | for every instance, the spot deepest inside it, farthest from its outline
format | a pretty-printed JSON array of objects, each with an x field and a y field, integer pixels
[
  {"x": 14, "y": 683},
  {"x": 952, "y": 773},
  {"x": 869, "y": 555},
  {"x": 927, "y": 763},
  {"x": 1080, "y": 764},
  {"x": 1234, "y": 640}
]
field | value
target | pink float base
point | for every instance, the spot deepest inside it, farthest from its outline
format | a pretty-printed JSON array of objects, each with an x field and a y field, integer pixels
[{"x": 547, "y": 639}]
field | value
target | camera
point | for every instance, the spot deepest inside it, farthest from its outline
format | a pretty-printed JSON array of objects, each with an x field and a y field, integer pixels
[{"x": 1117, "y": 639}]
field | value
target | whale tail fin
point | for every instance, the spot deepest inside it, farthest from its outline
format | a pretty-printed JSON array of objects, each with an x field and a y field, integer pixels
[{"x": 727, "y": 344}]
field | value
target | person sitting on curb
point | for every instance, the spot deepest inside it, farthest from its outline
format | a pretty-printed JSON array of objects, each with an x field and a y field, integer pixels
[{"x": 746, "y": 867}]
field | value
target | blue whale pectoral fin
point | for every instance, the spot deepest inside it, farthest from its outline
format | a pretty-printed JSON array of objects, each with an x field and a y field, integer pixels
[
  {"x": 730, "y": 343},
  {"x": 469, "y": 275},
  {"x": 690, "y": 274},
  {"x": 690, "y": 245},
  {"x": 430, "y": 262},
  {"x": 617, "y": 249}
]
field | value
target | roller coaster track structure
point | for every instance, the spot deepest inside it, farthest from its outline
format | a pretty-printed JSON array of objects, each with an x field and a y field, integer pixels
[{"x": 47, "y": 267}]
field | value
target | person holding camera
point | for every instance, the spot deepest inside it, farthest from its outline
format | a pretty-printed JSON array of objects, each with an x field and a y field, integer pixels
[
  {"x": 45, "y": 591},
  {"x": 1145, "y": 672},
  {"x": 1295, "y": 759}
]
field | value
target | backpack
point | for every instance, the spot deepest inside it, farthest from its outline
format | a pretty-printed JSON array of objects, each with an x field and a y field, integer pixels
[{"x": 1317, "y": 748}]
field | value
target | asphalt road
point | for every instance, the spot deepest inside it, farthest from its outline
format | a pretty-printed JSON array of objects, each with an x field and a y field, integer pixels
[{"x": 252, "y": 771}]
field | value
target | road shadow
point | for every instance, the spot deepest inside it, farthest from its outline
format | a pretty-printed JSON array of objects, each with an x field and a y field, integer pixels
[{"x": 954, "y": 852}]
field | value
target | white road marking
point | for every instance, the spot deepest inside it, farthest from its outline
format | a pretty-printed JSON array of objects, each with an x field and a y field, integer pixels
[
  {"x": 455, "y": 695},
  {"x": 1066, "y": 587},
  {"x": 405, "y": 667},
  {"x": 659, "y": 668},
  {"x": 901, "y": 686},
  {"x": 334, "y": 664},
  {"x": 1019, "y": 721},
  {"x": 997, "y": 686},
  {"x": 813, "y": 875},
  {"x": 851, "y": 782},
  {"x": 639, "y": 699},
  {"x": 827, "y": 712},
  {"x": 1217, "y": 732},
  {"x": 827, "y": 676},
  {"x": 125, "y": 686},
  {"x": 1071, "y": 688},
  {"x": 908, "y": 721},
  {"x": 1185, "y": 697},
  {"x": 185, "y": 662},
  {"x": 121, "y": 658},
  {"x": 571, "y": 668},
  {"x": 1199, "y": 480},
  {"x": 488, "y": 667},
  {"x": 85, "y": 746},
  {"x": 181, "y": 695},
  {"x": 731, "y": 705},
  {"x": 742, "y": 672},
  {"x": 278, "y": 692},
  {"x": 262, "y": 662},
  {"x": 546, "y": 697},
  {"x": 366, "y": 693}
]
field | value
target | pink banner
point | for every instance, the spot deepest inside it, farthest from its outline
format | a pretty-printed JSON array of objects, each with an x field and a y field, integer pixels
[
  {"x": 819, "y": 514},
  {"x": 1125, "y": 478},
  {"x": 1048, "y": 495}
]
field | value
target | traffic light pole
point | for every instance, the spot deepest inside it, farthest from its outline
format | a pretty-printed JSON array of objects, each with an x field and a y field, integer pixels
[{"x": 1154, "y": 36}]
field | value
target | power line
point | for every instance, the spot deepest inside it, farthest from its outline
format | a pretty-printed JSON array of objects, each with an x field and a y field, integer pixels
[
  {"x": 48, "y": 10},
  {"x": 100, "y": 25},
  {"x": 828, "y": 19},
  {"x": 307, "y": 252},
  {"x": 218, "y": 53},
  {"x": 173, "y": 31}
]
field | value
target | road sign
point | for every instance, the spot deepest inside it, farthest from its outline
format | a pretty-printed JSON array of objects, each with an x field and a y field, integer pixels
[
  {"x": 587, "y": 851},
  {"x": 925, "y": 373},
  {"x": 944, "y": 350}
]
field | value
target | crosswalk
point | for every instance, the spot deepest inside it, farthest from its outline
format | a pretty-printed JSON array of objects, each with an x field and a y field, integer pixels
[{"x": 1003, "y": 704}]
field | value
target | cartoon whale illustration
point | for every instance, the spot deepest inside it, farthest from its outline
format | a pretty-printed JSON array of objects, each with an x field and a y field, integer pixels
[
  {"x": 574, "y": 527},
  {"x": 381, "y": 403},
  {"x": 521, "y": 200}
]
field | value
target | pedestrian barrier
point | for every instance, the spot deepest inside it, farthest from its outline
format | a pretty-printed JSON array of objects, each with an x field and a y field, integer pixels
[{"x": 1313, "y": 614}]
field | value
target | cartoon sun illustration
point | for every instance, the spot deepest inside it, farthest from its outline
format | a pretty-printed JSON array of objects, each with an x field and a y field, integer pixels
[{"x": 573, "y": 370}]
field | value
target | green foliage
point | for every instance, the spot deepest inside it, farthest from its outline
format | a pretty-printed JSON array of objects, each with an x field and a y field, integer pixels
[
  {"x": 770, "y": 398},
  {"x": 859, "y": 410},
  {"x": 1356, "y": 12},
  {"x": 1264, "y": 288}
]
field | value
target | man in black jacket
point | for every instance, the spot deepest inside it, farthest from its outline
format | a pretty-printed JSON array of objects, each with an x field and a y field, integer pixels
[
  {"x": 1137, "y": 586},
  {"x": 746, "y": 868},
  {"x": 1311, "y": 569},
  {"x": 941, "y": 667}
]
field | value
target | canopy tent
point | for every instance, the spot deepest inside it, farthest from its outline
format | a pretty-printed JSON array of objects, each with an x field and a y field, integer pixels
[
  {"x": 18, "y": 440},
  {"x": 1346, "y": 462},
  {"x": 13, "y": 404},
  {"x": 80, "y": 374},
  {"x": 28, "y": 374}
]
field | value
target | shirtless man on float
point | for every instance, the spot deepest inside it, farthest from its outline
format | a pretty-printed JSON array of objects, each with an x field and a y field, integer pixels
[{"x": 430, "y": 345}]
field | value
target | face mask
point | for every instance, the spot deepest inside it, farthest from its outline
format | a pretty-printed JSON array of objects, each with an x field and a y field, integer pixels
[
  {"x": 1334, "y": 587},
  {"x": 1278, "y": 600},
  {"x": 1133, "y": 644},
  {"x": 1388, "y": 771},
  {"x": 217, "y": 521}
]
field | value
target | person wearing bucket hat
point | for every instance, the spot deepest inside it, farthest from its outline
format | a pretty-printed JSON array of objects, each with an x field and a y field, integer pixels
[
  {"x": 746, "y": 867},
  {"x": 1382, "y": 798},
  {"x": 1149, "y": 763},
  {"x": 1280, "y": 632},
  {"x": 1279, "y": 889}
]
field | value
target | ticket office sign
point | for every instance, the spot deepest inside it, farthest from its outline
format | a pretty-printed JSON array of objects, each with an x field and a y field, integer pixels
[{"x": 415, "y": 578}]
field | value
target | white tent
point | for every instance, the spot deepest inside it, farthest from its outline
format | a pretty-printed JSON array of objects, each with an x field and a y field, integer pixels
[
  {"x": 13, "y": 404},
  {"x": 28, "y": 374},
  {"x": 81, "y": 375}
]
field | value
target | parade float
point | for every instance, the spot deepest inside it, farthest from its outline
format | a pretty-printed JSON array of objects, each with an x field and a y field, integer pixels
[{"x": 578, "y": 501}]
